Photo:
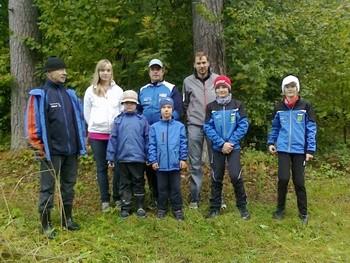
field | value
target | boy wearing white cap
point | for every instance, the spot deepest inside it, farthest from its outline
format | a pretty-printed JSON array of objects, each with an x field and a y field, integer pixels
[
  {"x": 293, "y": 138},
  {"x": 128, "y": 146}
]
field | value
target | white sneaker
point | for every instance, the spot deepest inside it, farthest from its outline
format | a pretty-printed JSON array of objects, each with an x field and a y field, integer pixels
[
  {"x": 105, "y": 207},
  {"x": 193, "y": 205},
  {"x": 118, "y": 204}
]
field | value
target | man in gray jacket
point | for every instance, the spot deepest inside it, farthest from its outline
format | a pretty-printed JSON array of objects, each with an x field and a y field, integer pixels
[{"x": 198, "y": 91}]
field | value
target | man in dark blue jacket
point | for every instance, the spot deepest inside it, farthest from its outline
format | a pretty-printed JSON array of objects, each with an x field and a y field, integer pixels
[{"x": 55, "y": 129}]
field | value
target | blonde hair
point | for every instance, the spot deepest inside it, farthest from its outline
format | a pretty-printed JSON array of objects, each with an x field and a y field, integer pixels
[{"x": 97, "y": 88}]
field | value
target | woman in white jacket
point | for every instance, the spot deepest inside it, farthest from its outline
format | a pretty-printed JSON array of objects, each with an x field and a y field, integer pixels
[{"x": 102, "y": 103}]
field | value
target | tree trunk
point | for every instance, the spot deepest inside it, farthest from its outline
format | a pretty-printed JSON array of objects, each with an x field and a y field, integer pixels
[
  {"x": 23, "y": 24},
  {"x": 208, "y": 32}
]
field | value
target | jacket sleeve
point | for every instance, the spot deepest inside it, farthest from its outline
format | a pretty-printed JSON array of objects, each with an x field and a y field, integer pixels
[
  {"x": 241, "y": 128},
  {"x": 176, "y": 96},
  {"x": 185, "y": 97},
  {"x": 146, "y": 135},
  {"x": 209, "y": 130},
  {"x": 276, "y": 126},
  {"x": 183, "y": 144},
  {"x": 87, "y": 105},
  {"x": 152, "y": 146},
  {"x": 112, "y": 143},
  {"x": 311, "y": 130},
  {"x": 33, "y": 129}
]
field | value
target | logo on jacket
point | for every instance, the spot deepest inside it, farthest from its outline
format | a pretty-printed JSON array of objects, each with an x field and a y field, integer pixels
[
  {"x": 300, "y": 117},
  {"x": 55, "y": 105}
]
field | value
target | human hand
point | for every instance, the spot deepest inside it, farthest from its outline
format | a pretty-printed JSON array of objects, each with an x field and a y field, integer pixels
[
  {"x": 183, "y": 164},
  {"x": 155, "y": 166},
  {"x": 308, "y": 157},
  {"x": 227, "y": 148},
  {"x": 272, "y": 149}
]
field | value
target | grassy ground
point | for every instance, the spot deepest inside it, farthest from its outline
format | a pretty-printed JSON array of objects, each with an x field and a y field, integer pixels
[{"x": 107, "y": 238}]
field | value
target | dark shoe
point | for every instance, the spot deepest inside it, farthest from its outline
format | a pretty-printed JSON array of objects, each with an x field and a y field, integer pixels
[
  {"x": 67, "y": 219},
  {"x": 278, "y": 214},
  {"x": 141, "y": 213},
  {"x": 124, "y": 214},
  {"x": 213, "y": 213},
  {"x": 70, "y": 225},
  {"x": 244, "y": 213},
  {"x": 161, "y": 214},
  {"x": 46, "y": 227},
  {"x": 304, "y": 219},
  {"x": 179, "y": 215}
]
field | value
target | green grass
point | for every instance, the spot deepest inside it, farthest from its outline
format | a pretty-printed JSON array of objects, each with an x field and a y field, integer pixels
[{"x": 107, "y": 238}]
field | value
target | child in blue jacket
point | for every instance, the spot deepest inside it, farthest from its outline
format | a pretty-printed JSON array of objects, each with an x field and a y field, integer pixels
[
  {"x": 226, "y": 123},
  {"x": 293, "y": 138},
  {"x": 128, "y": 146},
  {"x": 167, "y": 153}
]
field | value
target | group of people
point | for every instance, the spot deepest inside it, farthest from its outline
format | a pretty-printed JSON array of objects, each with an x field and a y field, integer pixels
[{"x": 136, "y": 133}]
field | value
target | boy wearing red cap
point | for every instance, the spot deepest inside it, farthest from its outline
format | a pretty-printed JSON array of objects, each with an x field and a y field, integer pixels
[{"x": 226, "y": 123}]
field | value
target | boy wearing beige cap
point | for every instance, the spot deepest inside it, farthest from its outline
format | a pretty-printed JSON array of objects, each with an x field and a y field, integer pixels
[{"x": 128, "y": 147}]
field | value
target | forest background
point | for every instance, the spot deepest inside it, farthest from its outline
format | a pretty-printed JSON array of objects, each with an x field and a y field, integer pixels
[{"x": 260, "y": 42}]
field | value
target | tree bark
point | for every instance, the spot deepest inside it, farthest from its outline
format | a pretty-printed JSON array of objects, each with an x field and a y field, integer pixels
[
  {"x": 208, "y": 32},
  {"x": 22, "y": 24}
]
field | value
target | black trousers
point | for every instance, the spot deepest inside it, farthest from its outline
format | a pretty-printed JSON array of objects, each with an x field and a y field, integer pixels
[
  {"x": 152, "y": 181},
  {"x": 235, "y": 172},
  {"x": 64, "y": 170},
  {"x": 169, "y": 187},
  {"x": 296, "y": 163},
  {"x": 132, "y": 182}
]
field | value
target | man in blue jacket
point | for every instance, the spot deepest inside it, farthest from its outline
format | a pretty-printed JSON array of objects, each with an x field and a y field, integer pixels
[
  {"x": 55, "y": 129},
  {"x": 150, "y": 96}
]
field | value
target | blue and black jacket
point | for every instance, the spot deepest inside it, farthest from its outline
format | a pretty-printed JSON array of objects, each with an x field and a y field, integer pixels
[
  {"x": 151, "y": 94},
  {"x": 54, "y": 122},
  {"x": 167, "y": 144},
  {"x": 129, "y": 138},
  {"x": 293, "y": 130},
  {"x": 225, "y": 123}
]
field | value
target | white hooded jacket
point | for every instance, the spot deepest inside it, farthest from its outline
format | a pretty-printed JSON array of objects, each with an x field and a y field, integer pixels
[{"x": 100, "y": 111}]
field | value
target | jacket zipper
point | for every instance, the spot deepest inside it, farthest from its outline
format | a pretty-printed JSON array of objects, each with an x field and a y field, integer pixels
[
  {"x": 65, "y": 120},
  {"x": 167, "y": 142}
]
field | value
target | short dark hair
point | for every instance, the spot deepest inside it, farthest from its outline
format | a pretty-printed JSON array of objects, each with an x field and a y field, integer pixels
[{"x": 201, "y": 54}]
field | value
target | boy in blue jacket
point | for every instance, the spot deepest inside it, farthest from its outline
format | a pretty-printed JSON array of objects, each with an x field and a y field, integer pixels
[
  {"x": 167, "y": 154},
  {"x": 128, "y": 146},
  {"x": 293, "y": 138},
  {"x": 226, "y": 123}
]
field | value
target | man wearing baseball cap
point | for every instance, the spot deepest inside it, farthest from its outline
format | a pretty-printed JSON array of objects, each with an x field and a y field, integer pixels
[
  {"x": 55, "y": 129},
  {"x": 226, "y": 123},
  {"x": 150, "y": 96}
]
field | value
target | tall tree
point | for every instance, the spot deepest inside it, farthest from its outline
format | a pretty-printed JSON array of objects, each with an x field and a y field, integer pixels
[
  {"x": 208, "y": 31},
  {"x": 23, "y": 28}
]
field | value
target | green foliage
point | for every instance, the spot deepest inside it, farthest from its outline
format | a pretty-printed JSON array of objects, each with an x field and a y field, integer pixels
[
  {"x": 267, "y": 40},
  {"x": 5, "y": 77},
  {"x": 108, "y": 238},
  {"x": 129, "y": 33}
]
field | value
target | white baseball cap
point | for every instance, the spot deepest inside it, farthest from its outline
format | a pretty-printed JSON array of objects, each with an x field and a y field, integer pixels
[{"x": 155, "y": 61}]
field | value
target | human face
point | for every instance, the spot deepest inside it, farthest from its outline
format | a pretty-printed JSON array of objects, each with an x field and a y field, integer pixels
[
  {"x": 156, "y": 73},
  {"x": 167, "y": 112},
  {"x": 201, "y": 65},
  {"x": 105, "y": 73},
  {"x": 222, "y": 91},
  {"x": 129, "y": 106},
  {"x": 58, "y": 76},
  {"x": 290, "y": 90}
]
